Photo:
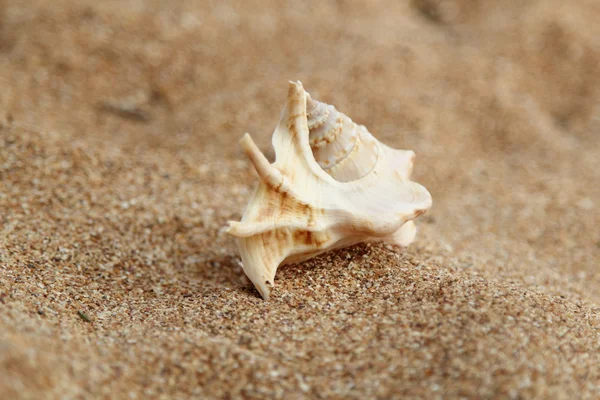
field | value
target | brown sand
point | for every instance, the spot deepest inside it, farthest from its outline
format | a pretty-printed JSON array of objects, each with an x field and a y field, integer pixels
[{"x": 119, "y": 164}]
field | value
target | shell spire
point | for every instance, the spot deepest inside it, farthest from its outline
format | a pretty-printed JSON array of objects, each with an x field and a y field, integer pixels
[
  {"x": 344, "y": 149},
  {"x": 332, "y": 185}
]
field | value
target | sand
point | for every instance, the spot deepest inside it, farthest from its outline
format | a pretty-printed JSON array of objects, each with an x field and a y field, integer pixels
[{"x": 119, "y": 164}]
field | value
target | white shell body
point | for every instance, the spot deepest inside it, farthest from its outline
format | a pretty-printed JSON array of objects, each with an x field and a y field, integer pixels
[{"x": 332, "y": 185}]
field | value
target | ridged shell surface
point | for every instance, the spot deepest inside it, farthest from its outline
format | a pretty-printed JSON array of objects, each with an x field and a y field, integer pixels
[
  {"x": 332, "y": 185},
  {"x": 344, "y": 149}
]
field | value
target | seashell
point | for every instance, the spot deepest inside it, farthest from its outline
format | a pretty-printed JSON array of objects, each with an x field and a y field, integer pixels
[{"x": 332, "y": 185}]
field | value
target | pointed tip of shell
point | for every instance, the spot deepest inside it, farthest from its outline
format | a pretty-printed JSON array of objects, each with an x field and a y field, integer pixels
[
  {"x": 231, "y": 228},
  {"x": 261, "y": 283},
  {"x": 263, "y": 289},
  {"x": 423, "y": 198},
  {"x": 295, "y": 88},
  {"x": 260, "y": 259}
]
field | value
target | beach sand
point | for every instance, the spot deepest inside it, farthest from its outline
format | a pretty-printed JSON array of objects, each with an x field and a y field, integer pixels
[{"x": 119, "y": 165}]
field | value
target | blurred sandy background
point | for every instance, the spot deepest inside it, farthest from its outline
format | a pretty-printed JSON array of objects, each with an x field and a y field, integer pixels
[{"x": 119, "y": 163}]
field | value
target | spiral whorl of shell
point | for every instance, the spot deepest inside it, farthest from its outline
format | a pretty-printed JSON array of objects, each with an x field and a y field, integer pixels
[{"x": 344, "y": 149}]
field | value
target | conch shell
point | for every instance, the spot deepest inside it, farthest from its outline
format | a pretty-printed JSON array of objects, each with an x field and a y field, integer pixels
[{"x": 332, "y": 185}]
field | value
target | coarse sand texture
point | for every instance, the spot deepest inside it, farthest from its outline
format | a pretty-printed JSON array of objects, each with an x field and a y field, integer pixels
[{"x": 120, "y": 165}]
